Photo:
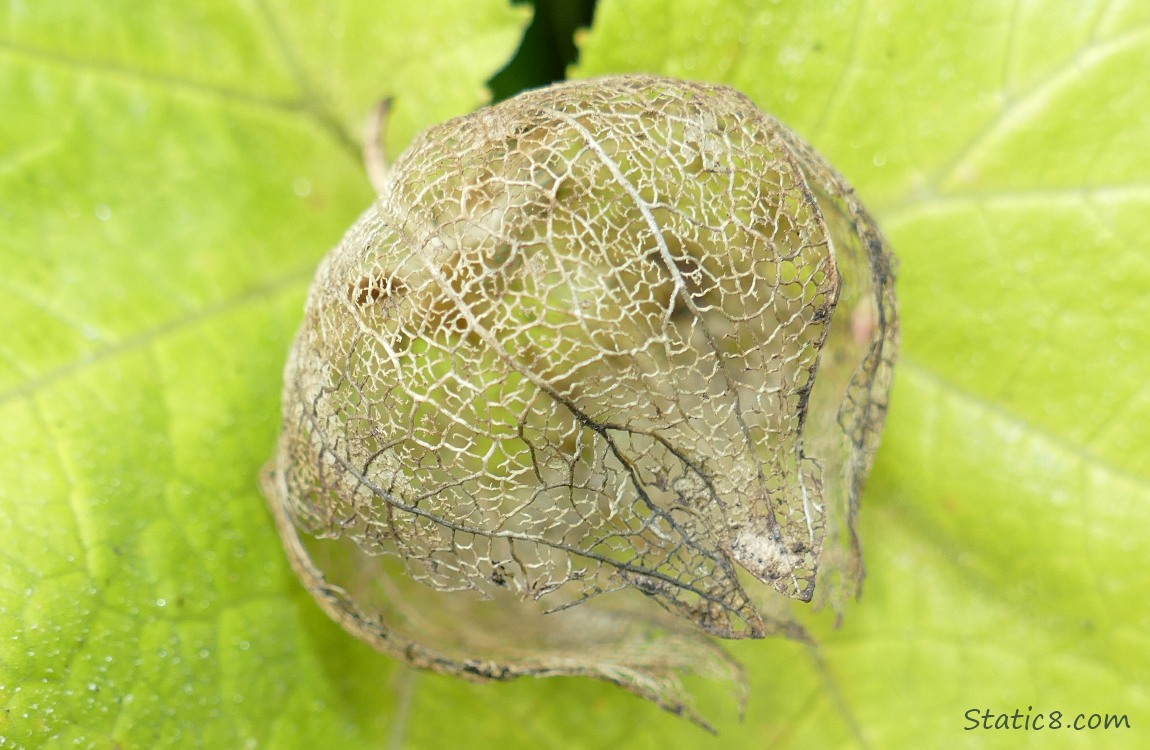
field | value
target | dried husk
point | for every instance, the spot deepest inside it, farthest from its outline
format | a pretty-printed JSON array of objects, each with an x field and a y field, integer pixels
[{"x": 600, "y": 374}]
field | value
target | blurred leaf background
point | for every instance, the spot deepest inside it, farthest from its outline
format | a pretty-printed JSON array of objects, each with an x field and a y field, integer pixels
[{"x": 171, "y": 173}]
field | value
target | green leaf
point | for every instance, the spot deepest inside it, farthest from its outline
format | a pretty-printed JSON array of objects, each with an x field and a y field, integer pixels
[
  {"x": 170, "y": 174},
  {"x": 1003, "y": 148}
]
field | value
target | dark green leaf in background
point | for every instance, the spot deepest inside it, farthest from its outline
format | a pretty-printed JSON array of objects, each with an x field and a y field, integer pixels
[{"x": 548, "y": 47}]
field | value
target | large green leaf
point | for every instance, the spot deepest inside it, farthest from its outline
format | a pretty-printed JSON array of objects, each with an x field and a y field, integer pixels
[
  {"x": 1005, "y": 150},
  {"x": 171, "y": 173}
]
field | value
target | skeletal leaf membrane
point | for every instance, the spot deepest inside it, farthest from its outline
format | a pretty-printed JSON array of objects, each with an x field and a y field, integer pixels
[{"x": 601, "y": 372}]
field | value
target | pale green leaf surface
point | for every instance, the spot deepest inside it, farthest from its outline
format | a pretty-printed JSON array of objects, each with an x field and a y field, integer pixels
[
  {"x": 170, "y": 174},
  {"x": 1003, "y": 148}
]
